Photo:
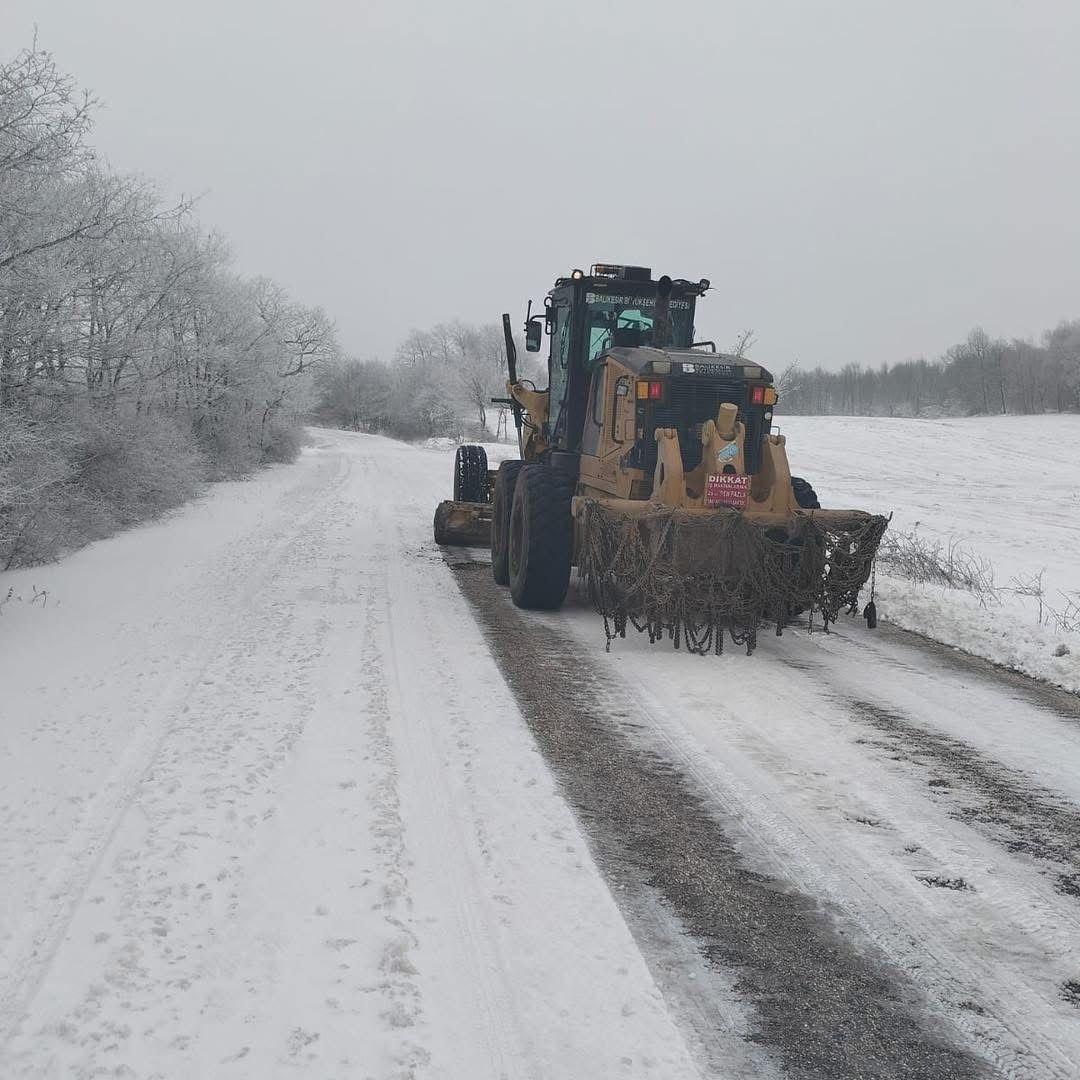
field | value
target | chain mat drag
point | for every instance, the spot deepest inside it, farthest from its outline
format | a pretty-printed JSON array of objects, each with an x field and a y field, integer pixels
[{"x": 695, "y": 578}]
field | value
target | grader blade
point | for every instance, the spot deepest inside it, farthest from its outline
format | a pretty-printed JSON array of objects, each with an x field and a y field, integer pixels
[
  {"x": 463, "y": 524},
  {"x": 695, "y": 575}
]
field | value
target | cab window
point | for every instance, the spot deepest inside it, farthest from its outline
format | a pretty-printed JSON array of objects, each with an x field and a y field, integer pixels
[
  {"x": 560, "y": 363},
  {"x": 613, "y": 321}
]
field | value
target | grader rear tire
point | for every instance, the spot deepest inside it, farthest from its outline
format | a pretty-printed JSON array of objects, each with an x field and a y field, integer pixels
[
  {"x": 501, "y": 503},
  {"x": 443, "y": 535},
  {"x": 541, "y": 538},
  {"x": 805, "y": 495},
  {"x": 470, "y": 474}
]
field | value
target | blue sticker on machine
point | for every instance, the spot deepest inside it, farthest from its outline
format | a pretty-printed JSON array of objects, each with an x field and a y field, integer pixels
[{"x": 728, "y": 452}]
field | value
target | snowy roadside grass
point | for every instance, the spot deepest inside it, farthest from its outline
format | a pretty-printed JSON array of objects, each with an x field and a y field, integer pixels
[{"x": 994, "y": 501}]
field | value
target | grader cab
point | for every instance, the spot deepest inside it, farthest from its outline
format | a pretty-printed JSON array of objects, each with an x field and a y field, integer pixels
[{"x": 650, "y": 464}]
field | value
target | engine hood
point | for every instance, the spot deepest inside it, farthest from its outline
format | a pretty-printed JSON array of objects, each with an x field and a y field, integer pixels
[{"x": 645, "y": 360}]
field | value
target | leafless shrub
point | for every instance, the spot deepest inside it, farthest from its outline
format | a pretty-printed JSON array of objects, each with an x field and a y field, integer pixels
[
  {"x": 1063, "y": 615},
  {"x": 85, "y": 477},
  {"x": 1066, "y": 617},
  {"x": 1031, "y": 585},
  {"x": 932, "y": 562},
  {"x": 281, "y": 444},
  {"x": 953, "y": 566},
  {"x": 40, "y": 596},
  {"x": 1069, "y": 617}
]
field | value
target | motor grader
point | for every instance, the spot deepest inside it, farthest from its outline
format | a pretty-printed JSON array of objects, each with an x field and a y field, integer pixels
[{"x": 650, "y": 462}]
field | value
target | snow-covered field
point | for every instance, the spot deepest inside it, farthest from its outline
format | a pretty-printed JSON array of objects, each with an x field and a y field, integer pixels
[
  {"x": 1007, "y": 488},
  {"x": 269, "y": 808}
]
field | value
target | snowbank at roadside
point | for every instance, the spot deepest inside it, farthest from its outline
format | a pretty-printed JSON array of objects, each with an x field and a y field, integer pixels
[{"x": 1004, "y": 632}]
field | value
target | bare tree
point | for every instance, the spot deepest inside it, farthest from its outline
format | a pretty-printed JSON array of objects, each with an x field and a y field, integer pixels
[
  {"x": 743, "y": 344},
  {"x": 790, "y": 380},
  {"x": 132, "y": 357}
]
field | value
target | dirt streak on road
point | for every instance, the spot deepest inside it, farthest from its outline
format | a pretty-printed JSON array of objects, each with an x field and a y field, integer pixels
[{"x": 821, "y": 1007}]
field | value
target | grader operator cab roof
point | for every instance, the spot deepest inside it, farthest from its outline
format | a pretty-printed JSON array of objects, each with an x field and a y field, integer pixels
[{"x": 638, "y": 275}]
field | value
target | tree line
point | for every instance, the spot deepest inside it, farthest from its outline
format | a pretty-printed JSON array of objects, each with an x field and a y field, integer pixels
[
  {"x": 135, "y": 363},
  {"x": 981, "y": 376},
  {"x": 440, "y": 384},
  {"x": 442, "y": 380}
]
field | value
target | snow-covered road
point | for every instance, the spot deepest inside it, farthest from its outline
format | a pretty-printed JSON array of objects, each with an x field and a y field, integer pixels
[
  {"x": 267, "y": 809},
  {"x": 272, "y": 804},
  {"x": 929, "y": 803}
]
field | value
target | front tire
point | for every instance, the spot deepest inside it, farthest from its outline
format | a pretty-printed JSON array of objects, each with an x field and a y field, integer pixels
[
  {"x": 470, "y": 474},
  {"x": 501, "y": 504},
  {"x": 541, "y": 538}
]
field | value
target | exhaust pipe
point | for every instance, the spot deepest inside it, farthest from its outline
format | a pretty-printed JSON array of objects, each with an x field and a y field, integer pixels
[{"x": 662, "y": 318}]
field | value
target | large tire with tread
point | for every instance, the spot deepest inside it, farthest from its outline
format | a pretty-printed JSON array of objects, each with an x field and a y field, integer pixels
[
  {"x": 805, "y": 495},
  {"x": 470, "y": 474},
  {"x": 502, "y": 502},
  {"x": 541, "y": 538}
]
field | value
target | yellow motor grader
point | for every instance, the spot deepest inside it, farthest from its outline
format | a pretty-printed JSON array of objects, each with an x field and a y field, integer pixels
[{"x": 650, "y": 464}]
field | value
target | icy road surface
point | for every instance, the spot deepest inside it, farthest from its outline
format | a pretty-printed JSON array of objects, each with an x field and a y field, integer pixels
[{"x": 283, "y": 792}]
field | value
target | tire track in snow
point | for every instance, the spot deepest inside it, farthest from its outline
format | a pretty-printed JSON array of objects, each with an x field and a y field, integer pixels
[
  {"x": 824, "y": 813},
  {"x": 208, "y": 965},
  {"x": 1018, "y": 809},
  {"x": 820, "y": 811},
  {"x": 970, "y": 982},
  {"x": 276, "y": 777},
  {"x": 885, "y": 644},
  {"x": 822, "y": 1007},
  {"x": 1003, "y": 804},
  {"x": 500, "y": 1041},
  {"x": 405, "y": 1012},
  {"x": 1008, "y": 807},
  {"x": 35, "y": 942}
]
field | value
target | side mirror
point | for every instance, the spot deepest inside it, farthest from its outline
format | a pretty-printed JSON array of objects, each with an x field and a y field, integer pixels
[{"x": 534, "y": 333}]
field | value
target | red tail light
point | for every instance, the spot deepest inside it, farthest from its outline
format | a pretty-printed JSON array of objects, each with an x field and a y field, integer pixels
[
  {"x": 757, "y": 395},
  {"x": 655, "y": 390}
]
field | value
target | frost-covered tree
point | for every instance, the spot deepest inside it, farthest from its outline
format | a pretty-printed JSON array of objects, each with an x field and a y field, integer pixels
[{"x": 133, "y": 359}]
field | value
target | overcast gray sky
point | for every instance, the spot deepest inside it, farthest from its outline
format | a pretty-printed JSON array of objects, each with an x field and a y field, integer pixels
[{"x": 861, "y": 180}]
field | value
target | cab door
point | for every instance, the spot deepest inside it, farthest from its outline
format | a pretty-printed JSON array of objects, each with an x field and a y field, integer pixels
[{"x": 609, "y": 427}]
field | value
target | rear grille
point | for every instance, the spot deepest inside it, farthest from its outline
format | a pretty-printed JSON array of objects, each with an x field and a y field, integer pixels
[{"x": 691, "y": 401}]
